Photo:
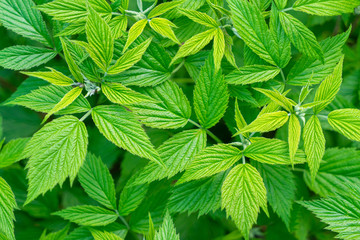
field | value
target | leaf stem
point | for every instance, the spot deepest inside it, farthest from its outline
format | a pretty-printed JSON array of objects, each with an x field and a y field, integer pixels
[
  {"x": 178, "y": 67},
  {"x": 85, "y": 116},
  {"x": 218, "y": 140},
  {"x": 287, "y": 9},
  {"x": 283, "y": 76}
]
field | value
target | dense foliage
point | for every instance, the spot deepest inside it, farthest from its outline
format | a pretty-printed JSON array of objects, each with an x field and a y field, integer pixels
[{"x": 185, "y": 119}]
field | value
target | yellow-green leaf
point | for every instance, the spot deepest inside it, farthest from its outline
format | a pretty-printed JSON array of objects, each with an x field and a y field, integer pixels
[
  {"x": 199, "y": 17},
  {"x": 346, "y": 122},
  {"x": 53, "y": 77},
  {"x": 219, "y": 48},
  {"x": 134, "y": 32},
  {"x": 74, "y": 68},
  {"x": 164, "y": 28},
  {"x": 163, "y": 8},
  {"x": 293, "y": 136},
  {"x": 267, "y": 122}
]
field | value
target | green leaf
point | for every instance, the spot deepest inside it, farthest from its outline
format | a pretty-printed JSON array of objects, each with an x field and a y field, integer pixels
[
  {"x": 53, "y": 77},
  {"x": 176, "y": 153},
  {"x": 242, "y": 194},
  {"x": 59, "y": 235},
  {"x": 239, "y": 119},
  {"x": 172, "y": 109},
  {"x": 97, "y": 181},
  {"x": 280, "y": 188},
  {"x": 45, "y": 99},
  {"x": 134, "y": 32},
  {"x": 210, "y": 161},
  {"x": 281, "y": 3},
  {"x": 283, "y": 52},
  {"x": 22, "y": 17},
  {"x": 130, "y": 58},
  {"x": 167, "y": 230},
  {"x": 55, "y": 152},
  {"x": 131, "y": 196},
  {"x": 211, "y": 96},
  {"x": 103, "y": 235},
  {"x": 314, "y": 144},
  {"x": 346, "y": 122},
  {"x": 195, "y": 44},
  {"x": 7, "y": 206},
  {"x": 101, "y": 42},
  {"x": 272, "y": 151},
  {"x": 151, "y": 70},
  {"x": 219, "y": 48},
  {"x": 199, "y": 17},
  {"x": 252, "y": 74},
  {"x": 329, "y": 88},
  {"x": 301, "y": 37},
  {"x": 88, "y": 215},
  {"x": 68, "y": 98},
  {"x": 278, "y": 98},
  {"x": 294, "y": 135},
  {"x": 122, "y": 128},
  {"x": 338, "y": 173},
  {"x": 163, "y": 8},
  {"x": 201, "y": 196},
  {"x": 118, "y": 26},
  {"x": 74, "y": 68},
  {"x": 251, "y": 26},
  {"x": 341, "y": 213},
  {"x": 267, "y": 122},
  {"x": 24, "y": 57},
  {"x": 74, "y": 11},
  {"x": 308, "y": 68},
  {"x": 164, "y": 28},
  {"x": 118, "y": 93},
  {"x": 326, "y": 7},
  {"x": 12, "y": 152}
]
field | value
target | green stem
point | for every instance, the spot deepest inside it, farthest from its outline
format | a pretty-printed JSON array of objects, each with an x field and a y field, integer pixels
[
  {"x": 85, "y": 116},
  {"x": 178, "y": 67},
  {"x": 283, "y": 76},
  {"x": 122, "y": 219},
  {"x": 298, "y": 170},
  {"x": 287, "y": 9},
  {"x": 218, "y": 140}
]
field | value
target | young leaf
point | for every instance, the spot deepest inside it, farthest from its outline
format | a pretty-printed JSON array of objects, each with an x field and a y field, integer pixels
[
  {"x": 68, "y": 98},
  {"x": 177, "y": 153},
  {"x": 122, "y": 128},
  {"x": 167, "y": 230},
  {"x": 326, "y": 7},
  {"x": 97, "y": 181},
  {"x": 281, "y": 3},
  {"x": 272, "y": 151},
  {"x": 88, "y": 215},
  {"x": 163, "y": 8},
  {"x": 341, "y": 213},
  {"x": 267, "y": 122},
  {"x": 24, "y": 57},
  {"x": 22, "y": 17},
  {"x": 12, "y": 152},
  {"x": 301, "y": 37},
  {"x": 104, "y": 235},
  {"x": 239, "y": 119},
  {"x": 195, "y": 44},
  {"x": 346, "y": 122},
  {"x": 329, "y": 88},
  {"x": 101, "y": 42},
  {"x": 7, "y": 206},
  {"x": 210, "y": 161},
  {"x": 211, "y": 96},
  {"x": 130, "y": 58},
  {"x": 242, "y": 194},
  {"x": 278, "y": 98},
  {"x": 45, "y": 99},
  {"x": 118, "y": 93},
  {"x": 74, "y": 68},
  {"x": 164, "y": 28},
  {"x": 280, "y": 188},
  {"x": 314, "y": 144},
  {"x": 171, "y": 109},
  {"x": 293, "y": 136},
  {"x": 199, "y": 17},
  {"x": 201, "y": 196},
  {"x": 55, "y": 152},
  {"x": 118, "y": 26},
  {"x": 53, "y": 77},
  {"x": 219, "y": 48},
  {"x": 134, "y": 32},
  {"x": 252, "y": 74},
  {"x": 251, "y": 26}
]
